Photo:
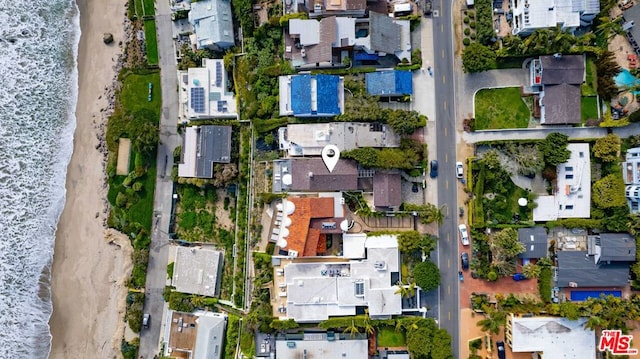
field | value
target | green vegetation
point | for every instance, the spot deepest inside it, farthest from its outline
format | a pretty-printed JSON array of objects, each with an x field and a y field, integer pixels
[
  {"x": 195, "y": 219},
  {"x": 478, "y": 58},
  {"x": 484, "y": 10},
  {"x": 150, "y": 40},
  {"x": 554, "y": 149},
  {"x": 233, "y": 323},
  {"x": 501, "y": 108},
  {"x": 607, "y": 69},
  {"x": 130, "y": 349},
  {"x": 544, "y": 284},
  {"x": 496, "y": 197},
  {"x": 135, "y": 303},
  {"x": 607, "y": 148},
  {"x": 426, "y": 275},
  {"x": 588, "y": 108},
  {"x": 409, "y": 155},
  {"x": 170, "y": 268},
  {"x": 505, "y": 248},
  {"x": 389, "y": 337},
  {"x": 411, "y": 241}
]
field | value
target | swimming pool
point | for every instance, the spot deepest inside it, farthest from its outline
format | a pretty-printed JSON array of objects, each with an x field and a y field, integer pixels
[{"x": 625, "y": 79}]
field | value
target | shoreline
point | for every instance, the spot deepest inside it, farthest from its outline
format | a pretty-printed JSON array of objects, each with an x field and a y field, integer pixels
[{"x": 91, "y": 263}]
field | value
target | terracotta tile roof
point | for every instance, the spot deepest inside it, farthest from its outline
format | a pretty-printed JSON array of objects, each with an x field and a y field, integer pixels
[
  {"x": 303, "y": 239},
  {"x": 311, "y": 245},
  {"x": 321, "y": 207},
  {"x": 322, "y": 244}
]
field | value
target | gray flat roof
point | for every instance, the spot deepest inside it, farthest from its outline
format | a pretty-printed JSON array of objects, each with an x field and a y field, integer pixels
[
  {"x": 580, "y": 268},
  {"x": 617, "y": 247},
  {"x": 197, "y": 270}
]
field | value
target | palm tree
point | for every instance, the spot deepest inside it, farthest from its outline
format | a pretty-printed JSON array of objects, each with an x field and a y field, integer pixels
[
  {"x": 531, "y": 270},
  {"x": 352, "y": 329},
  {"x": 608, "y": 27},
  {"x": 406, "y": 290},
  {"x": 197, "y": 301},
  {"x": 493, "y": 321}
]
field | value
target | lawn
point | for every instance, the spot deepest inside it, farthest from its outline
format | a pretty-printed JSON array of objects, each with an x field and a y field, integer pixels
[
  {"x": 151, "y": 41},
  {"x": 135, "y": 88},
  {"x": 500, "y": 108},
  {"x": 389, "y": 337},
  {"x": 145, "y": 8},
  {"x": 589, "y": 108}
]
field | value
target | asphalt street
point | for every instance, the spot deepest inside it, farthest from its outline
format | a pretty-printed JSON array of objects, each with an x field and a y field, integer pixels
[
  {"x": 169, "y": 139},
  {"x": 447, "y": 182}
]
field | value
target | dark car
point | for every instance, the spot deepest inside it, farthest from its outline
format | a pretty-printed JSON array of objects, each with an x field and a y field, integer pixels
[
  {"x": 434, "y": 169},
  {"x": 427, "y": 7},
  {"x": 501, "y": 350},
  {"x": 519, "y": 276},
  {"x": 464, "y": 259}
]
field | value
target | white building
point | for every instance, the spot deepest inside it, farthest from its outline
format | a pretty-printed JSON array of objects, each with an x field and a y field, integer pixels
[
  {"x": 530, "y": 15},
  {"x": 308, "y": 139},
  {"x": 631, "y": 176},
  {"x": 312, "y": 291},
  {"x": 550, "y": 338},
  {"x": 572, "y": 198},
  {"x": 204, "y": 92},
  {"x": 323, "y": 345}
]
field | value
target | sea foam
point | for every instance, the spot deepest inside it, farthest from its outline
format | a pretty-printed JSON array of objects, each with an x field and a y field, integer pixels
[{"x": 38, "y": 93}]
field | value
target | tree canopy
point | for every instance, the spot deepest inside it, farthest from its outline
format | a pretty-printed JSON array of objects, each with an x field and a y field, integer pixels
[
  {"x": 607, "y": 68},
  {"x": 609, "y": 192},
  {"x": 411, "y": 241},
  {"x": 554, "y": 149},
  {"x": 427, "y": 275},
  {"x": 478, "y": 58},
  {"x": 607, "y": 148}
]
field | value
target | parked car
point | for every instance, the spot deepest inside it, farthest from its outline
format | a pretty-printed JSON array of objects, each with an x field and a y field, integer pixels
[
  {"x": 427, "y": 8},
  {"x": 434, "y": 169},
  {"x": 464, "y": 234},
  {"x": 464, "y": 260},
  {"x": 501, "y": 350},
  {"x": 414, "y": 188},
  {"x": 146, "y": 320},
  {"x": 459, "y": 170},
  {"x": 519, "y": 276}
]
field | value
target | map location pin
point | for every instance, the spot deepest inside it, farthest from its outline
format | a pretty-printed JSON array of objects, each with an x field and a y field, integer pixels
[{"x": 330, "y": 156}]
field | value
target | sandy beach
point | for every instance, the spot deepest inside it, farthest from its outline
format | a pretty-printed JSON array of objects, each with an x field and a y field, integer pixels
[{"x": 90, "y": 265}]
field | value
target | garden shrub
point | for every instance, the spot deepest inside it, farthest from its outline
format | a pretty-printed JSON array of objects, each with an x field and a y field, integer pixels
[
  {"x": 466, "y": 41},
  {"x": 467, "y": 31}
]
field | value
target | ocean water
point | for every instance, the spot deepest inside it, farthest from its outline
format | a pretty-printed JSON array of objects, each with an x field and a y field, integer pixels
[{"x": 38, "y": 92}]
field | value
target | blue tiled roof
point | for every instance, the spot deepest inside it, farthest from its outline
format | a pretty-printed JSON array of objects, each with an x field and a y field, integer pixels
[
  {"x": 389, "y": 83},
  {"x": 327, "y": 97},
  {"x": 301, "y": 94},
  {"x": 404, "y": 82},
  {"x": 328, "y": 94}
]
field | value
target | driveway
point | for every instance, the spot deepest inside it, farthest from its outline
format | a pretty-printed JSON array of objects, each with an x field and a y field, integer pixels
[{"x": 469, "y": 84}]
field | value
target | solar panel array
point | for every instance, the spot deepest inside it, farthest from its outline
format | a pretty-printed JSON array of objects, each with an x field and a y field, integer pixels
[
  {"x": 197, "y": 99},
  {"x": 222, "y": 106},
  {"x": 218, "y": 74}
]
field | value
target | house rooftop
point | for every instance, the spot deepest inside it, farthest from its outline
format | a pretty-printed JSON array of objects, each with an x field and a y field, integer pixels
[
  {"x": 387, "y": 189},
  {"x": 318, "y": 290},
  {"x": 553, "y": 337},
  {"x": 197, "y": 270},
  {"x": 308, "y": 139},
  {"x": 204, "y": 92},
  {"x": 579, "y": 269},
  {"x": 564, "y": 69},
  {"x": 535, "y": 242},
  {"x": 311, "y": 95},
  {"x": 616, "y": 247},
  {"x": 197, "y": 335},
  {"x": 211, "y": 20},
  {"x": 389, "y": 83},
  {"x": 318, "y": 345},
  {"x": 561, "y": 104},
  {"x": 203, "y": 146},
  {"x": 312, "y": 175},
  {"x": 302, "y": 238},
  {"x": 573, "y": 196}
]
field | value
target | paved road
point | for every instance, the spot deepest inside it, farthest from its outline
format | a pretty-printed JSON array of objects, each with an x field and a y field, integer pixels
[
  {"x": 447, "y": 182},
  {"x": 157, "y": 270}
]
